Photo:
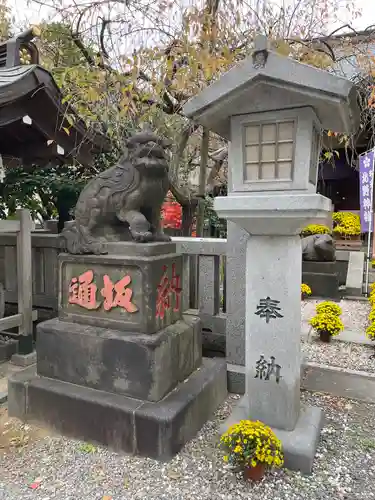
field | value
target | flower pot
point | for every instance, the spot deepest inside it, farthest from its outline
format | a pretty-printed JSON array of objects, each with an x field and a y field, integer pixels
[
  {"x": 254, "y": 473},
  {"x": 353, "y": 237},
  {"x": 325, "y": 336}
]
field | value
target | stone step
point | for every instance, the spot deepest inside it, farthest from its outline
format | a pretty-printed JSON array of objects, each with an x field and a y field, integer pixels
[{"x": 154, "y": 429}]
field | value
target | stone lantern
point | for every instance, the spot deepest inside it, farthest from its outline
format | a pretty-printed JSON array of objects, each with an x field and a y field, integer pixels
[{"x": 272, "y": 110}]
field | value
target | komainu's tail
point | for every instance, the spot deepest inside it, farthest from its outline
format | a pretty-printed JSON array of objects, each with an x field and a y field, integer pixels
[{"x": 74, "y": 240}]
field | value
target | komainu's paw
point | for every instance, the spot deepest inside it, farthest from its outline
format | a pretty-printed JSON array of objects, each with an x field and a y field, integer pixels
[
  {"x": 162, "y": 237},
  {"x": 142, "y": 237}
]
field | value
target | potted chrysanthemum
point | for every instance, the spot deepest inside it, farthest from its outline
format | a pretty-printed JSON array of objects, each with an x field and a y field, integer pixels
[
  {"x": 327, "y": 322},
  {"x": 347, "y": 225},
  {"x": 315, "y": 229},
  {"x": 328, "y": 307},
  {"x": 327, "y": 325},
  {"x": 305, "y": 291},
  {"x": 370, "y": 331},
  {"x": 252, "y": 446}
]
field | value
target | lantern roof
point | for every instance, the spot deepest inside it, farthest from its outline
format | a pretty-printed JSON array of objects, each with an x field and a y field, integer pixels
[
  {"x": 267, "y": 81},
  {"x": 33, "y": 117}
]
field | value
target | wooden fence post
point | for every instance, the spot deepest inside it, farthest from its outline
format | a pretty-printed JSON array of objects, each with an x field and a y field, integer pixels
[{"x": 24, "y": 281}]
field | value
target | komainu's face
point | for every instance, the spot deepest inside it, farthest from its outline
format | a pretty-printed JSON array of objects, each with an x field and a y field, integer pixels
[
  {"x": 324, "y": 242},
  {"x": 147, "y": 151}
]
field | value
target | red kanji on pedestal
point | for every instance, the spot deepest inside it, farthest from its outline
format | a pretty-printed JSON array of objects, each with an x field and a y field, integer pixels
[
  {"x": 163, "y": 299},
  {"x": 165, "y": 290},
  {"x": 82, "y": 291},
  {"x": 176, "y": 288},
  {"x": 122, "y": 297}
]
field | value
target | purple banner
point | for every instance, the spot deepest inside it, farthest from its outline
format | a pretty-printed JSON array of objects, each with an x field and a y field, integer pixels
[{"x": 366, "y": 183}]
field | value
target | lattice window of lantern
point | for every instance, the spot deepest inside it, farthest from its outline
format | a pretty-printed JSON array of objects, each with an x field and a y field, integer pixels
[{"x": 269, "y": 151}]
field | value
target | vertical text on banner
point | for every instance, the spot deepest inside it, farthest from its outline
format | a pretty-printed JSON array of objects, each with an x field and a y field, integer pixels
[{"x": 366, "y": 183}]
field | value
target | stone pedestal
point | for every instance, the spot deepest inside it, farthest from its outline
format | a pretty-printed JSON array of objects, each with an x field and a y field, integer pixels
[
  {"x": 121, "y": 365},
  {"x": 139, "y": 280},
  {"x": 322, "y": 278},
  {"x": 136, "y": 365}
]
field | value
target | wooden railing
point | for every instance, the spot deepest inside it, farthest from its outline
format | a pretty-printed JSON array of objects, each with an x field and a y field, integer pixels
[
  {"x": 19, "y": 263},
  {"x": 43, "y": 264},
  {"x": 204, "y": 280},
  {"x": 204, "y": 286},
  {"x": 204, "y": 271}
]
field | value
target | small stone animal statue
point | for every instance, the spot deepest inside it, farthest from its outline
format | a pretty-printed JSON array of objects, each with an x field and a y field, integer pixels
[
  {"x": 318, "y": 248},
  {"x": 124, "y": 202}
]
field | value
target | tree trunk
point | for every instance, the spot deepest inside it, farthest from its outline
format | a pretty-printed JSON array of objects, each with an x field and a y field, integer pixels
[
  {"x": 64, "y": 216},
  {"x": 188, "y": 212},
  {"x": 65, "y": 202},
  {"x": 188, "y": 204}
]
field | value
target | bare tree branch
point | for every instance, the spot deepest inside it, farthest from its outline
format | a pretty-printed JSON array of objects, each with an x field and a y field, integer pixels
[
  {"x": 105, "y": 23},
  {"x": 79, "y": 43}
]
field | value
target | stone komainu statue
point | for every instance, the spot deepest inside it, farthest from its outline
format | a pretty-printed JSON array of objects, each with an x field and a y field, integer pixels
[
  {"x": 318, "y": 248},
  {"x": 124, "y": 202}
]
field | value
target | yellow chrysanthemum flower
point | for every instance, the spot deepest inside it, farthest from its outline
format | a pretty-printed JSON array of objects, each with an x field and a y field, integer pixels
[{"x": 249, "y": 443}]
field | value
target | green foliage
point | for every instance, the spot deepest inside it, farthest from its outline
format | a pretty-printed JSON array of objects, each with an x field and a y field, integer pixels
[
  {"x": 212, "y": 220},
  {"x": 46, "y": 192},
  {"x": 87, "y": 448},
  {"x": 57, "y": 48}
]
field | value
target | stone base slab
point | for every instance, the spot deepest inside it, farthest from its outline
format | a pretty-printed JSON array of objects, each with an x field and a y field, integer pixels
[
  {"x": 136, "y": 365},
  {"x": 213, "y": 331},
  {"x": 7, "y": 349},
  {"x": 299, "y": 445},
  {"x": 236, "y": 379},
  {"x": 155, "y": 430},
  {"x": 24, "y": 359},
  {"x": 340, "y": 382},
  {"x": 322, "y": 284},
  {"x": 309, "y": 266}
]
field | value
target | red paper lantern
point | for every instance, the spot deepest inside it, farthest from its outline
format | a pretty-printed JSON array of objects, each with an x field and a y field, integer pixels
[{"x": 171, "y": 213}]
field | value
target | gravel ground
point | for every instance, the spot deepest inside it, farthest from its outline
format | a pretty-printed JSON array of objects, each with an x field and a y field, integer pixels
[
  {"x": 68, "y": 469},
  {"x": 341, "y": 354},
  {"x": 354, "y": 312},
  {"x": 338, "y": 353}
]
